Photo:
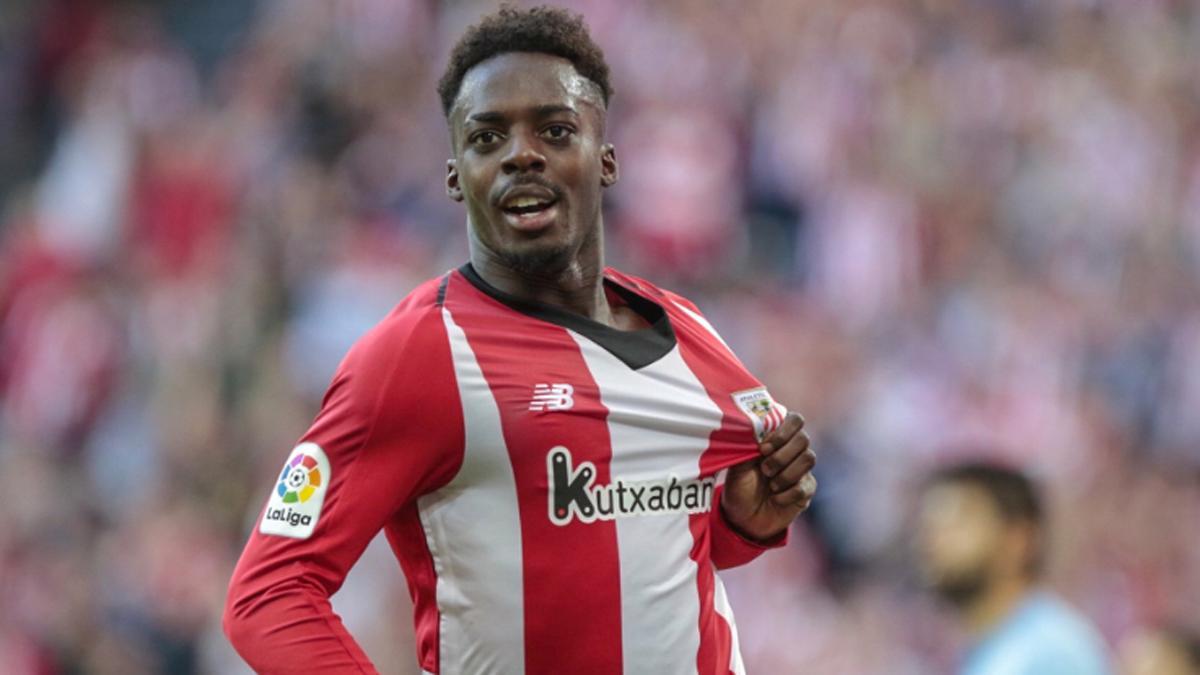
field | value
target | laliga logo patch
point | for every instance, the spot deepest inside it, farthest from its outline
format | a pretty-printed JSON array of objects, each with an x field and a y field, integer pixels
[
  {"x": 295, "y": 503},
  {"x": 301, "y": 478}
]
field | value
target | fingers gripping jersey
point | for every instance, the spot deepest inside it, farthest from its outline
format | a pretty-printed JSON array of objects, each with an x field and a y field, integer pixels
[{"x": 549, "y": 485}]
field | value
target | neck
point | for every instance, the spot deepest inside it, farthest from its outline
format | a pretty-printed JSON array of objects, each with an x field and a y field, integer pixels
[
  {"x": 995, "y": 603},
  {"x": 576, "y": 287}
]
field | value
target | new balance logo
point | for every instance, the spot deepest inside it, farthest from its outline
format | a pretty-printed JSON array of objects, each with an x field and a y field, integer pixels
[{"x": 552, "y": 397}]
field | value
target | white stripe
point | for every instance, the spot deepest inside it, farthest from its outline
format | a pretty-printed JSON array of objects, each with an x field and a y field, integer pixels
[
  {"x": 703, "y": 322},
  {"x": 660, "y": 420},
  {"x": 721, "y": 602},
  {"x": 474, "y": 533}
]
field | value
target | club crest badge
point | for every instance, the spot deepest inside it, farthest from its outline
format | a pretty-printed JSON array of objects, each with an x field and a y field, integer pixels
[{"x": 764, "y": 413}]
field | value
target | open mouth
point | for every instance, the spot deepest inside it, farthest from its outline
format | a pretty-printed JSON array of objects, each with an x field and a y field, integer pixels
[
  {"x": 530, "y": 210},
  {"x": 522, "y": 206}
]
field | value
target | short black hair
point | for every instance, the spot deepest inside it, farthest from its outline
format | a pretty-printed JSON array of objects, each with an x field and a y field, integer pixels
[
  {"x": 1016, "y": 497},
  {"x": 545, "y": 30}
]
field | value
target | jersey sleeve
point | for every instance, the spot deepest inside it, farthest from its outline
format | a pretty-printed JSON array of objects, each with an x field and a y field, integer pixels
[
  {"x": 728, "y": 548},
  {"x": 389, "y": 430}
]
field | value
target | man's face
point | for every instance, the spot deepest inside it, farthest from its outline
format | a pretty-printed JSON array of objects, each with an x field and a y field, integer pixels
[
  {"x": 529, "y": 159},
  {"x": 960, "y": 533}
]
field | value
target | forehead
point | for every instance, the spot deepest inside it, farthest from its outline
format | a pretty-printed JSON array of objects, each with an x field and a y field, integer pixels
[
  {"x": 518, "y": 81},
  {"x": 954, "y": 502}
]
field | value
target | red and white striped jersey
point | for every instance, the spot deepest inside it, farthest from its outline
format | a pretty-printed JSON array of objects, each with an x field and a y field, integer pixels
[{"x": 550, "y": 486}]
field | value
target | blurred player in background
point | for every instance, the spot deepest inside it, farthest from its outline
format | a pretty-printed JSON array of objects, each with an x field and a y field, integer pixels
[
  {"x": 981, "y": 544},
  {"x": 541, "y": 437},
  {"x": 1164, "y": 651}
]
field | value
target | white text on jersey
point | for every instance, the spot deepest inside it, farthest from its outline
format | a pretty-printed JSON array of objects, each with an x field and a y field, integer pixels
[{"x": 573, "y": 495}]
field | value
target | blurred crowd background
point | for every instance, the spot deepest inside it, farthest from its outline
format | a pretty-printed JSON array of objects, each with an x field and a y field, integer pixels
[{"x": 939, "y": 228}]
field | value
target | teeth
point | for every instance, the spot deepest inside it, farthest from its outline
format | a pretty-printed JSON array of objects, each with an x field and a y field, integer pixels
[{"x": 523, "y": 202}]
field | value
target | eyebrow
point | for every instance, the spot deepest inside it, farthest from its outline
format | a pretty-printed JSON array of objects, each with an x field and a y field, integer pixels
[
  {"x": 491, "y": 116},
  {"x": 487, "y": 117}
]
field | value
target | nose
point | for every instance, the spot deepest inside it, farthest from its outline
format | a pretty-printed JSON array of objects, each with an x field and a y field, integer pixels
[{"x": 523, "y": 155}]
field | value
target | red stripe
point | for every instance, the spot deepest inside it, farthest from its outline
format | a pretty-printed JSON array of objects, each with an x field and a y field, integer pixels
[
  {"x": 407, "y": 538},
  {"x": 716, "y": 640},
  {"x": 733, "y": 442},
  {"x": 404, "y": 531},
  {"x": 776, "y": 418},
  {"x": 572, "y": 577}
]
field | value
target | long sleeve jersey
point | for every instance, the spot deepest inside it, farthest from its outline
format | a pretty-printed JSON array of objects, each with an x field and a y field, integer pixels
[{"x": 550, "y": 486}]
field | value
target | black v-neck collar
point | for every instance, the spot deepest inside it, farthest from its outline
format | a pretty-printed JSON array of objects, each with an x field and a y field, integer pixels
[{"x": 635, "y": 348}]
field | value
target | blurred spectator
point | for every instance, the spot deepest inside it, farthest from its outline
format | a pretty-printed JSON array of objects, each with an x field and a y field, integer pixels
[
  {"x": 982, "y": 538},
  {"x": 1161, "y": 652}
]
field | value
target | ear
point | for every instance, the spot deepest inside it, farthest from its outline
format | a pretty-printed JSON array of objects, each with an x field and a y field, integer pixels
[
  {"x": 453, "y": 189},
  {"x": 609, "y": 170},
  {"x": 1021, "y": 548}
]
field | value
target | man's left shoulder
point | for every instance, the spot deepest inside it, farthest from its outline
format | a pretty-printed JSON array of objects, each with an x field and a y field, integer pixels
[
  {"x": 650, "y": 289},
  {"x": 1066, "y": 637}
]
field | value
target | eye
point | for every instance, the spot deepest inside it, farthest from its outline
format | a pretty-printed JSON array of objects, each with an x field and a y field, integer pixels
[
  {"x": 558, "y": 132},
  {"x": 484, "y": 137}
]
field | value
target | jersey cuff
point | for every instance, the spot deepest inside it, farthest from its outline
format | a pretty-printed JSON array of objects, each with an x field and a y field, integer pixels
[{"x": 729, "y": 548}]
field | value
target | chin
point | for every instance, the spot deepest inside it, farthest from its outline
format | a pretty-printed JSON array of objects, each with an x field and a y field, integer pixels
[
  {"x": 539, "y": 259},
  {"x": 959, "y": 591}
]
